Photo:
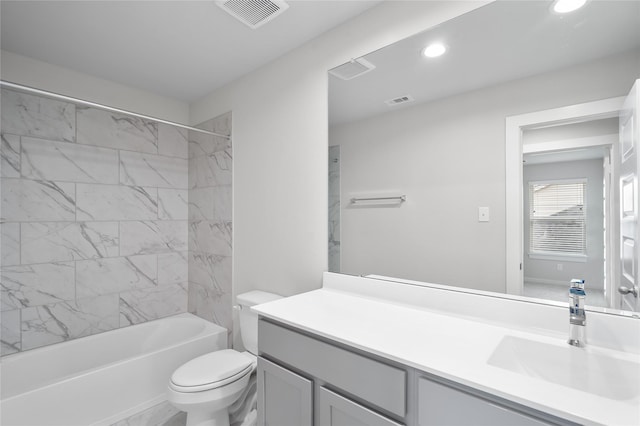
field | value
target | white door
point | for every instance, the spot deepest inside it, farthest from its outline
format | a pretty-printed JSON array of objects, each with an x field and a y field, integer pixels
[{"x": 629, "y": 238}]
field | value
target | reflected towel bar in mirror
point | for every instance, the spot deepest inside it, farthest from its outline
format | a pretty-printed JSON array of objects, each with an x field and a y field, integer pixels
[{"x": 380, "y": 200}]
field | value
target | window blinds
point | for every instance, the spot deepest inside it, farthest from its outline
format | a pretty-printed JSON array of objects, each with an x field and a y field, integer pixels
[{"x": 557, "y": 217}]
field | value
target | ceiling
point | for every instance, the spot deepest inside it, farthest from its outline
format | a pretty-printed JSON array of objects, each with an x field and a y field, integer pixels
[
  {"x": 500, "y": 42},
  {"x": 180, "y": 49}
]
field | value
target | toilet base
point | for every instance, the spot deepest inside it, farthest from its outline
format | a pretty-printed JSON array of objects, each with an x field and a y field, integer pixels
[
  {"x": 198, "y": 418},
  {"x": 208, "y": 408}
]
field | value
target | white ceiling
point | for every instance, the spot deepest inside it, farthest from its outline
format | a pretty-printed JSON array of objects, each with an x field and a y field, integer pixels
[
  {"x": 181, "y": 49},
  {"x": 500, "y": 42}
]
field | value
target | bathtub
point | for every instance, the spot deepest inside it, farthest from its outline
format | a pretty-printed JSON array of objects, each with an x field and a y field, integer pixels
[{"x": 100, "y": 379}]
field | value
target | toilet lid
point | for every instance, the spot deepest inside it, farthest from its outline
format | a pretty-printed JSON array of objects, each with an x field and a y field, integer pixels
[{"x": 211, "y": 370}]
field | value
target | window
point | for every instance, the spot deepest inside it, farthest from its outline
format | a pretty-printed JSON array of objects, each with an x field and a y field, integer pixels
[{"x": 557, "y": 218}]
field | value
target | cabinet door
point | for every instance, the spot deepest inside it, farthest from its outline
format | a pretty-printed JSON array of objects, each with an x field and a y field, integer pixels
[
  {"x": 284, "y": 398},
  {"x": 336, "y": 410},
  {"x": 441, "y": 405}
]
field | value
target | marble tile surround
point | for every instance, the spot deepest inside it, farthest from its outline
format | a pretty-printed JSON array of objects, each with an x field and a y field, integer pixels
[
  {"x": 117, "y": 131},
  {"x": 93, "y": 218},
  {"x": 210, "y": 223},
  {"x": 64, "y": 161},
  {"x": 30, "y": 115},
  {"x": 43, "y": 242}
]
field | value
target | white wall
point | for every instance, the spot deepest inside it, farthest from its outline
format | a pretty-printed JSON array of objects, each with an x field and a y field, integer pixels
[
  {"x": 280, "y": 146},
  {"x": 448, "y": 158},
  {"x": 41, "y": 75}
]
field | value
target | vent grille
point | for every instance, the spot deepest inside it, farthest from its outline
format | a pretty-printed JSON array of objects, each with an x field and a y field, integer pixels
[
  {"x": 401, "y": 100},
  {"x": 253, "y": 13},
  {"x": 352, "y": 69}
]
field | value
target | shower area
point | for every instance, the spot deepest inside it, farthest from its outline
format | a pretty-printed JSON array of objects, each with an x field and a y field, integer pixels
[{"x": 109, "y": 219}]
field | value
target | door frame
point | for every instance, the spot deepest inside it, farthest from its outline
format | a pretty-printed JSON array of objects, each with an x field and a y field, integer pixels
[{"x": 515, "y": 126}]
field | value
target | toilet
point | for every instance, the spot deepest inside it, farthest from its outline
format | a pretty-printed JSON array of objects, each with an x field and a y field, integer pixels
[{"x": 207, "y": 385}]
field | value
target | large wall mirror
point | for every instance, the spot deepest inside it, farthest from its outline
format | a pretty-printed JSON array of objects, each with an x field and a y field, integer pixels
[{"x": 421, "y": 176}]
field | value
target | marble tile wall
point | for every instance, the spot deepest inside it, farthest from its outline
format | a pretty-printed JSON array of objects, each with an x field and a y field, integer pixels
[
  {"x": 94, "y": 221},
  {"x": 210, "y": 223},
  {"x": 334, "y": 208}
]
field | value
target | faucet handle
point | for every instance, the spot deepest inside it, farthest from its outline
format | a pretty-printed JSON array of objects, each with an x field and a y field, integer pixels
[{"x": 577, "y": 284}]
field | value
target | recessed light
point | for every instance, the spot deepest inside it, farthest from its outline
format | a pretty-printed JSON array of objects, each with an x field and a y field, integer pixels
[
  {"x": 434, "y": 50},
  {"x": 566, "y": 6}
]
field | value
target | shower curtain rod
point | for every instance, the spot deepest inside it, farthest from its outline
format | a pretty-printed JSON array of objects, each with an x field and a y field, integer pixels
[{"x": 58, "y": 96}]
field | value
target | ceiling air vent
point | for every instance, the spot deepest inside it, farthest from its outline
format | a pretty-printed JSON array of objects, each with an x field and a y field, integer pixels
[
  {"x": 352, "y": 69},
  {"x": 253, "y": 13},
  {"x": 400, "y": 100}
]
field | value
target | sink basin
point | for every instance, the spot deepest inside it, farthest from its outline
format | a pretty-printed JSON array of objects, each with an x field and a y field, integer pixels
[{"x": 577, "y": 368}]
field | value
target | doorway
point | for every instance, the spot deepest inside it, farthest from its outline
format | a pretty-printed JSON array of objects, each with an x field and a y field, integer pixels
[
  {"x": 549, "y": 121},
  {"x": 565, "y": 197}
]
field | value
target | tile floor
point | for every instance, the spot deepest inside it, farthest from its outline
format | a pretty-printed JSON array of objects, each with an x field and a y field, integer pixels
[{"x": 561, "y": 293}]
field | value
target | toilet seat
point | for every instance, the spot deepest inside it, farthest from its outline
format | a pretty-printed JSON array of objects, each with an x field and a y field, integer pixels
[{"x": 211, "y": 371}]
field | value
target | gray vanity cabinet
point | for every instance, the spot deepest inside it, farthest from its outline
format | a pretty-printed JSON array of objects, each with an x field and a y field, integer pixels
[
  {"x": 304, "y": 379},
  {"x": 284, "y": 397},
  {"x": 441, "y": 404}
]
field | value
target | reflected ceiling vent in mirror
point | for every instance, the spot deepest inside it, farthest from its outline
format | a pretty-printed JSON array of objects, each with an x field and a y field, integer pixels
[
  {"x": 253, "y": 13},
  {"x": 400, "y": 100},
  {"x": 352, "y": 69}
]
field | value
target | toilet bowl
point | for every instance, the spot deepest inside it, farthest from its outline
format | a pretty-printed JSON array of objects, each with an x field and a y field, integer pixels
[{"x": 207, "y": 385}]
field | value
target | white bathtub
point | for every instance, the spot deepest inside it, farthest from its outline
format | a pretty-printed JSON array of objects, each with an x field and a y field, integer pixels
[{"x": 100, "y": 379}]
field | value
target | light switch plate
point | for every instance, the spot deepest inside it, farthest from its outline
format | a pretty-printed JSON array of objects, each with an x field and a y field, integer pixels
[{"x": 483, "y": 214}]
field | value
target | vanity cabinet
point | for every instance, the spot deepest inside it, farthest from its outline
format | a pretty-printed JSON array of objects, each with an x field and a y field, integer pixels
[
  {"x": 441, "y": 404},
  {"x": 305, "y": 379}
]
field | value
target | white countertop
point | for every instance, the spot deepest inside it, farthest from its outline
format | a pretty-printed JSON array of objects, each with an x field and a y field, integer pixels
[{"x": 449, "y": 346}]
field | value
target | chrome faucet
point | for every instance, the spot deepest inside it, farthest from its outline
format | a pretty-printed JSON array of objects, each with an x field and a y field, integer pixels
[{"x": 577, "y": 315}]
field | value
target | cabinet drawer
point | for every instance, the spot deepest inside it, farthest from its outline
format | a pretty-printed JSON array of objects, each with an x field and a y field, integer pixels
[
  {"x": 336, "y": 410},
  {"x": 440, "y": 405},
  {"x": 377, "y": 383}
]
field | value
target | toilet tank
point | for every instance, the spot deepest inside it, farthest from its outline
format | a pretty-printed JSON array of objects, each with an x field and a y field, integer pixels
[{"x": 249, "y": 319}]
